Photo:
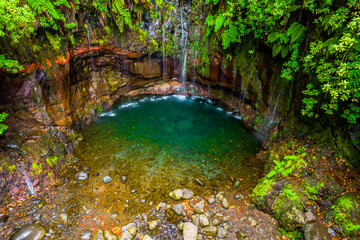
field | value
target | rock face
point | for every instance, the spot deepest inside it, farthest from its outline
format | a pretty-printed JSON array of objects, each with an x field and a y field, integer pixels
[
  {"x": 190, "y": 231},
  {"x": 29, "y": 232}
]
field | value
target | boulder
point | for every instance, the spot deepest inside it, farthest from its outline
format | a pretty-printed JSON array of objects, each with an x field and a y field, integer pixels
[
  {"x": 315, "y": 231},
  {"x": 292, "y": 218}
]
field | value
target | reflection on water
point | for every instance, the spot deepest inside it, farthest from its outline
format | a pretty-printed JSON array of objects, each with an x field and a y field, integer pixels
[{"x": 161, "y": 143}]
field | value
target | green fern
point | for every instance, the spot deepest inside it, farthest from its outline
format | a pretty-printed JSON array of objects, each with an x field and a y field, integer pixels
[
  {"x": 219, "y": 22},
  {"x": 226, "y": 40},
  {"x": 234, "y": 32}
]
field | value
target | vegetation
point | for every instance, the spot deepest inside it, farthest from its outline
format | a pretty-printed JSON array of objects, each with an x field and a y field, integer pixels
[
  {"x": 347, "y": 208},
  {"x": 321, "y": 37},
  {"x": 3, "y": 127}
]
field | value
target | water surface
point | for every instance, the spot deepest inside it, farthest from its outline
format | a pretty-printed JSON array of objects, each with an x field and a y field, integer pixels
[{"x": 160, "y": 143}]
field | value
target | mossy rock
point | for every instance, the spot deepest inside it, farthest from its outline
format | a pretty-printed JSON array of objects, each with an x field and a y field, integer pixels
[
  {"x": 347, "y": 213},
  {"x": 292, "y": 218},
  {"x": 261, "y": 192}
]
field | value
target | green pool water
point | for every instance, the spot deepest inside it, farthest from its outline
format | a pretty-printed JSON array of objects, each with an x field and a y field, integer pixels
[{"x": 161, "y": 143}]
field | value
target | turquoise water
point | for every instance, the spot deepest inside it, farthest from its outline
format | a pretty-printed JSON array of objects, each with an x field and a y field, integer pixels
[{"x": 161, "y": 143}]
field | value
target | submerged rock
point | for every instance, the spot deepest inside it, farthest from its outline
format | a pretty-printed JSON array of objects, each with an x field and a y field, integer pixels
[
  {"x": 176, "y": 194},
  {"x": 29, "y": 232},
  {"x": 190, "y": 231},
  {"x": 107, "y": 179},
  {"x": 199, "y": 182},
  {"x": 80, "y": 176},
  {"x": 187, "y": 194}
]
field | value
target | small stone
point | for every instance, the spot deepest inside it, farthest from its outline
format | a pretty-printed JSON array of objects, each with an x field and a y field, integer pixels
[
  {"x": 224, "y": 203},
  {"x": 99, "y": 235},
  {"x": 178, "y": 208},
  {"x": 216, "y": 221},
  {"x": 199, "y": 207},
  {"x": 236, "y": 184},
  {"x": 220, "y": 196},
  {"x": 126, "y": 236},
  {"x": 180, "y": 226},
  {"x": 126, "y": 227},
  {"x": 237, "y": 196},
  {"x": 199, "y": 182},
  {"x": 153, "y": 225},
  {"x": 86, "y": 235},
  {"x": 209, "y": 230},
  {"x": 110, "y": 235},
  {"x": 146, "y": 237},
  {"x": 221, "y": 232},
  {"x": 107, "y": 179},
  {"x": 195, "y": 218},
  {"x": 211, "y": 199},
  {"x": 143, "y": 200},
  {"x": 80, "y": 176},
  {"x": 177, "y": 194},
  {"x": 310, "y": 217},
  {"x": 132, "y": 230},
  {"x": 64, "y": 217},
  {"x": 187, "y": 194},
  {"x": 133, "y": 191},
  {"x": 123, "y": 178},
  {"x": 114, "y": 215},
  {"x": 204, "y": 221},
  {"x": 94, "y": 189},
  {"x": 190, "y": 231},
  {"x": 252, "y": 222},
  {"x": 29, "y": 231},
  {"x": 96, "y": 174}
]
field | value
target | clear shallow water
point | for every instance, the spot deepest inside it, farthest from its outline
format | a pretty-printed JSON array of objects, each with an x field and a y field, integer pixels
[{"x": 161, "y": 143}]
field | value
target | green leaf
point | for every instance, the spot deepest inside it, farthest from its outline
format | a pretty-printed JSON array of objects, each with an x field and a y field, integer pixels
[
  {"x": 276, "y": 50},
  {"x": 226, "y": 40},
  {"x": 233, "y": 32},
  {"x": 284, "y": 51},
  {"x": 273, "y": 36}
]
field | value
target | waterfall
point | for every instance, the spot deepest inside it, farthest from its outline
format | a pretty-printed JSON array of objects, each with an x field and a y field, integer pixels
[
  {"x": 163, "y": 50},
  {"x": 27, "y": 180},
  {"x": 183, "y": 45},
  {"x": 272, "y": 119}
]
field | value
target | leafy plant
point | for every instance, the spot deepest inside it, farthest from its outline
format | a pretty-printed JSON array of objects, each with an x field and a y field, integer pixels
[{"x": 3, "y": 127}]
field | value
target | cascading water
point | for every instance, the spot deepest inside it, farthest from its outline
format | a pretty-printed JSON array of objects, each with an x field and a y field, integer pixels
[
  {"x": 27, "y": 180},
  {"x": 183, "y": 45}
]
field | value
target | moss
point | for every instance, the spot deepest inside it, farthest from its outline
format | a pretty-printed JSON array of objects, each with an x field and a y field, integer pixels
[
  {"x": 347, "y": 213},
  {"x": 261, "y": 190},
  {"x": 37, "y": 168},
  {"x": 288, "y": 197}
]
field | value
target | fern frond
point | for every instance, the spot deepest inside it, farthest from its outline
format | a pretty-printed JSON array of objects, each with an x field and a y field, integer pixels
[{"x": 219, "y": 22}]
